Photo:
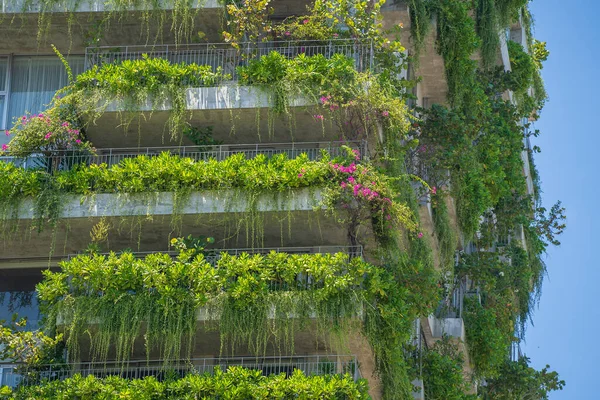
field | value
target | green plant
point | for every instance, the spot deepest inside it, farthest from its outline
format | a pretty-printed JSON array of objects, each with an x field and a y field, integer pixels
[
  {"x": 137, "y": 82},
  {"x": 235, "y": 383},
  {"x": 202, "y": 137},
  {"x": 120, "y": 293},
  {"x": 488, "y": 343},
  {"x": 522, "y": 68},
  {"x": 517, "y": 380},
  {"x": 443, "y": 377}
]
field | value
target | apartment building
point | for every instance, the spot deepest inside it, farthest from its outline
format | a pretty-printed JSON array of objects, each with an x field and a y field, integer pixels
[{"x": 112, "y": 202}]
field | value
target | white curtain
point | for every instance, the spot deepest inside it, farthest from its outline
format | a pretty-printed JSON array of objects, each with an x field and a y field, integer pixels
[
  {"x": 3, "y": 71},
  {"x": 35, "y": 80}
]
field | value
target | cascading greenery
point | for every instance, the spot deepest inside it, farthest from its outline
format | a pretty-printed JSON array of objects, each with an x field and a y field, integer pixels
[
  {"x": 134, "y": 84},
  {"x": 235, "y": 383},
  {"x": 261, "y": 175},
  {"x": 178, "y": 15},
  {"x": 252, "y": 299},
  {"x": 444, "y": 231}
]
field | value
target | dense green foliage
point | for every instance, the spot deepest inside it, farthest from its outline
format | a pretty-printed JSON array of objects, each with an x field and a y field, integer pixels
[
  {"x": 517, "y": 380},
  {"x": 235, "y": 384},
  {"x": 443, "y": 372},
  {"x": 241, "y": 293}
]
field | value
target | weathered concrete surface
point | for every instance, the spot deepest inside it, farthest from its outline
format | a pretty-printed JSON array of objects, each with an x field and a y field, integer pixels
[
  {"x": 28, "y": 37},
  {"x": 164, "y": 203},
  {"x": 26, "y": 247}
]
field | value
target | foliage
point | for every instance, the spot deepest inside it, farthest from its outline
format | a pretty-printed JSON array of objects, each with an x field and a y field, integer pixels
[
  {"x": 137, "y": 82},
  {"x": 201, "y": 136},
  {"x": 444, "y": 231},
  {"x": 419, "y": 25},
  {"x": 517, "y": 380},
  {"x": 443, "y": 377},
  {"x": 48, "y": 134},
  {"x": 31, "y": 348},
  {"x": 488, "y": 31},
  {"x": 488, "y": 343},
  {"x": 237, "y": 383},
  {"x": 121, "y": 293},
  {"x": 247, "y": 21},
  {"x": 179, "y": 15},
  {"x": 456, "y": 42},
  {"x": 522, "y": 68},
  {"x": 310, "y": 76}
]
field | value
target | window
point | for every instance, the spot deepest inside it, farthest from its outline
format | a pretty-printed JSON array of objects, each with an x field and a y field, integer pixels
[
  {"x": 27, "y": 84},
  {"x": 3, "y": 89}
]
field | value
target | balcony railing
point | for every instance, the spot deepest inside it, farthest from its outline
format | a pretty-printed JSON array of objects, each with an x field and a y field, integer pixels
[
  {"x": 14, "y": 375},
  {"x": 228, "y": 58},
  {"x": 66, "y": 160},
  {"x": 214, "y": 255}
]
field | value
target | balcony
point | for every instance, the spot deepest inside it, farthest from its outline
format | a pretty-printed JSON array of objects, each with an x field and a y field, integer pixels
[
  {"x": 213, "y": 105},
  {"x": 13, "y": 375},
  {"x": 66, "y": 160},
  {"x": 228, "y": 58},
  {"x": 33, "y": 6}
]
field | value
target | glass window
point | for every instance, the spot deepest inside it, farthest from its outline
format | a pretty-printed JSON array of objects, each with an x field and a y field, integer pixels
[
  {"x": 2, "y": 105},
  {"x": 3, "y": 72},
  {"x": 35, "y": 80}
]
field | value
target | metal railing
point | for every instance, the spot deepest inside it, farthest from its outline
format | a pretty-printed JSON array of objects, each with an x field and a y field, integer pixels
[
  {"x": 214, "y": 255},
  {"x": 14, "y": 375},
  {"x": 66, "y": 160},
  {"x": 228, "y": 58},
  {"x": 453, "y": 305}
]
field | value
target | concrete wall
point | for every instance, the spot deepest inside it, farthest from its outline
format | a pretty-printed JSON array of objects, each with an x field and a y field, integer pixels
[{"x": 207, "y": 202}]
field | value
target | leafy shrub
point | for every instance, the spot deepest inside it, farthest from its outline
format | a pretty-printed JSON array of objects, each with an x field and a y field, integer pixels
[
  {"x": 121, "y": 293},
  {"x": 237, "y": 383}
]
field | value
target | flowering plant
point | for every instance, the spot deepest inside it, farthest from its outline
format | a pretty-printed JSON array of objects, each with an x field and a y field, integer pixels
[
  {"x": 45, "y": 133},
  {"x": 365, "y": 195}
]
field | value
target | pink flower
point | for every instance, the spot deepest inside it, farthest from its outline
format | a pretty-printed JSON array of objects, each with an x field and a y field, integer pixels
[
  {"x": 23, "y": 118},
  {"x": 385, "y": 114},
  {"x": 356, "y": 189},
  {"x": 78, "y": 141},
  {"x": 287, "y": 33},
  {"x": 351, "y": 179},
  {"x": 422, "y": 149},
  {"x": 299, "y": 175},
  {"x": 420, "y": 235},
  {"x": 7, "y": 133},
  {"x": 64, "y": 124},
  {"x": 344, "y": 185},
  {"x": 433, "y": 190},
  {"x": 4, "y": 147},
  {"x": 335, "y": 35},
  {"x": 318, "y": 117},
  {"x": 41, "y": 115},
  {"x": 305, "y": 21},
  {"x": 323, "y": 99},
  {"x": 48, "y": 135},
  {"x": 388, "y": 217}
]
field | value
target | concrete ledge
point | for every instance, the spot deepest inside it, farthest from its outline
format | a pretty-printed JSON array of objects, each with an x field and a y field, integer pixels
[
  {"x": 16, "y": 6},
  {"x": 162, "y": 203},
  {"x": 452, "y": 327},
  {"x": 224, "y": 97}
]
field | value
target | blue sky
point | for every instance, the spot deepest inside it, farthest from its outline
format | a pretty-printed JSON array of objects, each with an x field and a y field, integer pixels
[{"x": 567, "y": 323}]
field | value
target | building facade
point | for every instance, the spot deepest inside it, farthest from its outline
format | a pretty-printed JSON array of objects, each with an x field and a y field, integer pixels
[{"x": 340, "y": 188}]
